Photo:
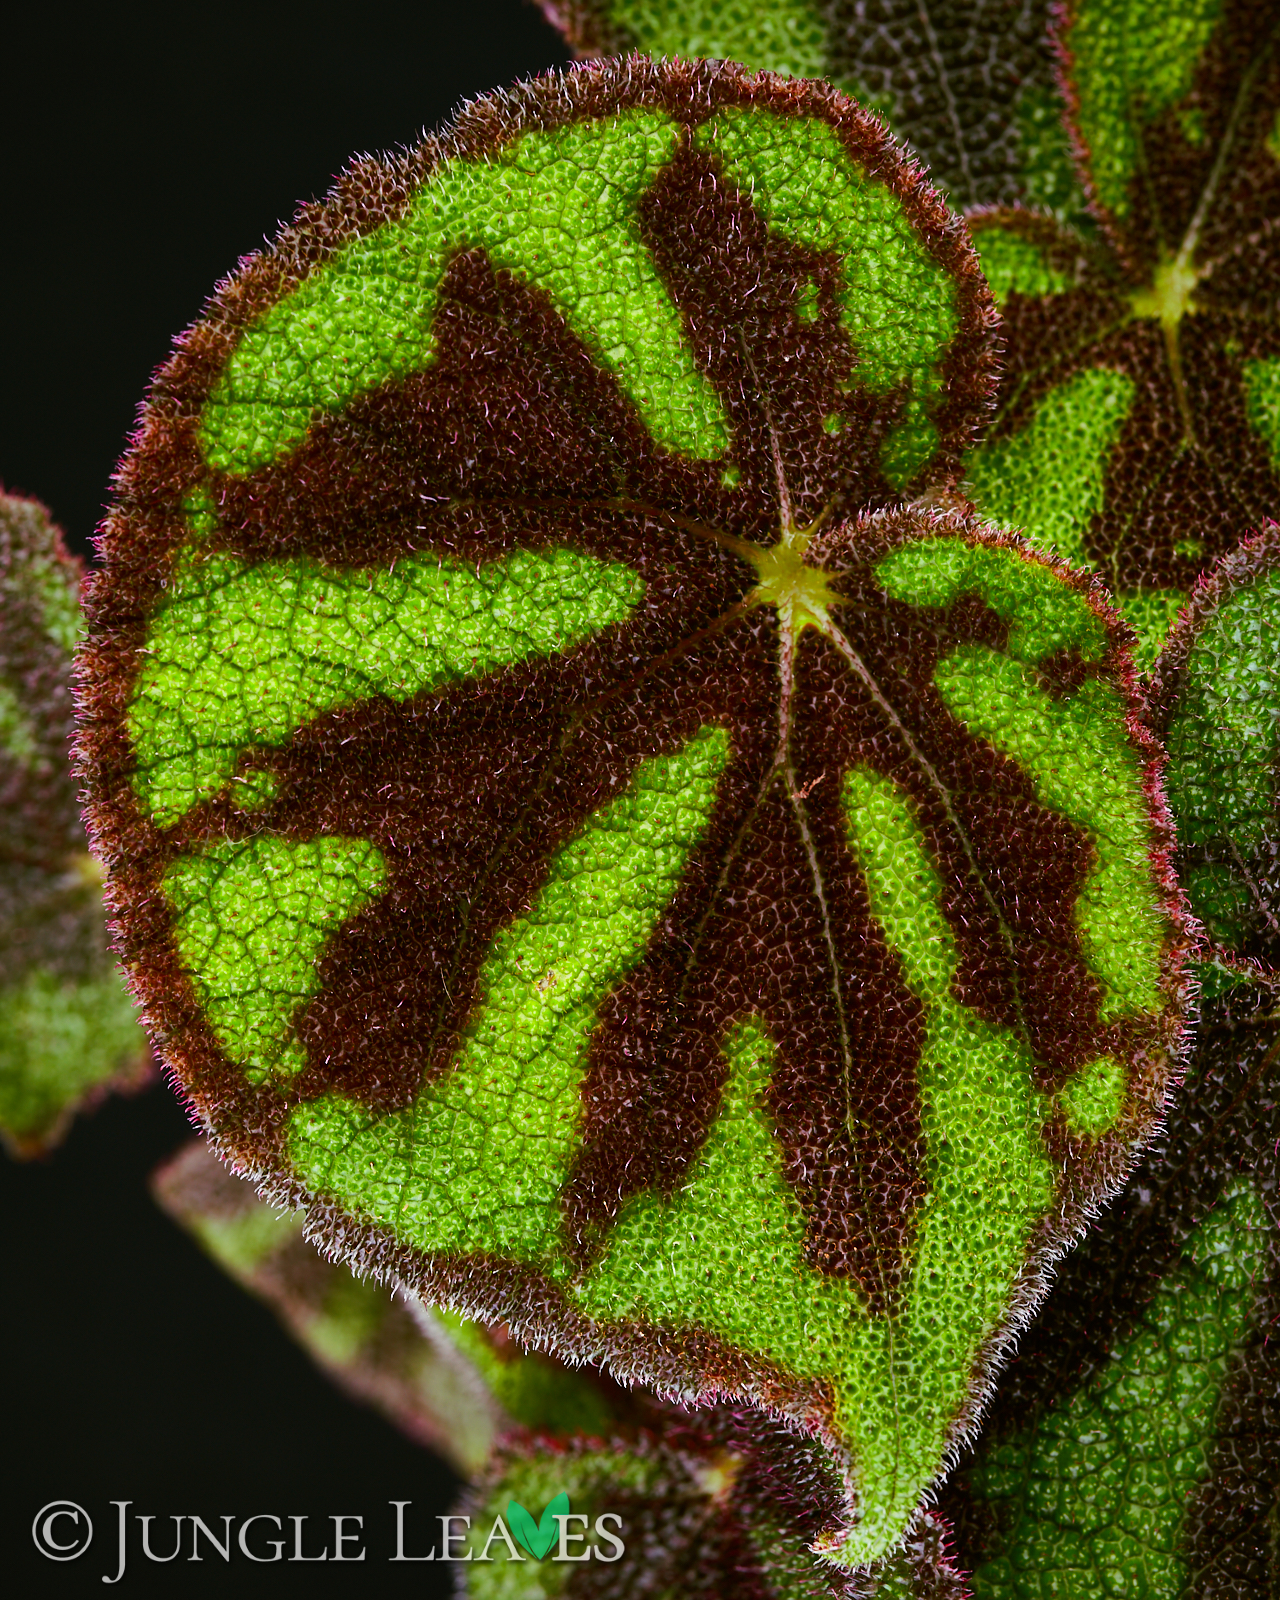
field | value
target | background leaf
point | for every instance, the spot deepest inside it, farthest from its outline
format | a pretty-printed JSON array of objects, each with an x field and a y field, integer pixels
[
  {"x": 1134, "y": 1438},
  {"x": 1218, "y": 685},
  {"x": 700, "y": 1511},
  {"x": 969, "y": 87},
  {"x": 67, "y": 1029},
  {"x": 452, "y": 1385}
]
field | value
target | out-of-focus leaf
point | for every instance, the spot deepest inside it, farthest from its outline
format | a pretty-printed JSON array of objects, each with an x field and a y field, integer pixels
[
  {"x": 1139, "y": 420},
  {"x": 67, "y": 1028},
  {"x": 698, "y": 1512},
  {"x": 452, "y": 1385},
  {"x": 968, "y": 84},
  {"x": 574, "y": 827},
  {"x": 1132, "y": 1448},
  {"x": 1218, "y": 689},
  {"x": 790, "y": 36}
]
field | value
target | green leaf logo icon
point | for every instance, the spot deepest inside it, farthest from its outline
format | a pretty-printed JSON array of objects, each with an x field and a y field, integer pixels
[{"x": 538, "y": 1537}]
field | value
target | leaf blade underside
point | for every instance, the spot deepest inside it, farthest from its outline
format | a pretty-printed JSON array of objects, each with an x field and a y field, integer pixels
[
  {"x": 453, "y": 1386},
  {"x": 67, "y": 1027},
  {"x": 568, "y": 903}
]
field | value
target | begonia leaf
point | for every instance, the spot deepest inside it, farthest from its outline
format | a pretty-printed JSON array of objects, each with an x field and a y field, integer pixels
[
  {"x": 694, "y": 1513},
  {"x": 67, "y": 1029},
  {"x": 968, "y": 84},
  {"x": 574, "y": 828},
  {"x": 1139, "y": 420},
  {"x": 454, "y": 1386},
  {"x": 1132, "y": 1447},
  {"x": 789, "y": 37},
  {"x": 1218, "y": 687}
]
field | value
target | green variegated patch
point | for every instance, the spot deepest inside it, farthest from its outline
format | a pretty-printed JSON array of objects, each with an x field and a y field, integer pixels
[
  {"x": 646, "y": 888},
  {"x": 244, "y": 654},
  {"x": 1059, "y": 745},
  {"x": 1017, "y": 265},
  {"x": 251, "y": 921},
  {"x": 1047, "y": 480},
  {"x": 1262, "y": 396}
]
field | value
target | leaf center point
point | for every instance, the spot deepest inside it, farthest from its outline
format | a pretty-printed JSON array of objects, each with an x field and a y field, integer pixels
[
  {"x": 802, "y": 594},
  {"x": 1169, "y": 296}
]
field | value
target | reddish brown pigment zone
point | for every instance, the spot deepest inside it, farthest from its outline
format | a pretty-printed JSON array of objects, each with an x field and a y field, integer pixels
[{"x": 516, "y": 440}]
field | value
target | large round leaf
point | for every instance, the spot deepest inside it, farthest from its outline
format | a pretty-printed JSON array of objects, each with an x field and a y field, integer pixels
[{"x": 571, "y": 829}]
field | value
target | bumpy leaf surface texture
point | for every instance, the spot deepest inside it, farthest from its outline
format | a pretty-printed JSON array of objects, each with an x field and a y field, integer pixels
[
  {"x": 968, "y": 84},
  {"x": 1132, "y": 1448},
  {"x": 573, "y": 828},
  {"x": 67, "y": 1029},
  {"x": 1139, "y": 419},
  {"x": 453, "y": 1385}
]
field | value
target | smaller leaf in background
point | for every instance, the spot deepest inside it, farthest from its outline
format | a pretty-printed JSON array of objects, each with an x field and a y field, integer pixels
[
  {"x": 788, "y": 36},
  {"x": 534, "y": 1390},
  {"x": 968, "y": 84},
  {"x": 1132, "y": 1449},
  {"x": 1138, "y": 424},
  {"x": 1218, "y": 684},
  {"x": 452, "y": 1385},
  {"x": 702, "y": 1512},
  {"x": 67, "y": 1026}
]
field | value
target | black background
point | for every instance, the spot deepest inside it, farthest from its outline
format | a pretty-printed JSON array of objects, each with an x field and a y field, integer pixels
[{"x": 141, "y": 160}]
